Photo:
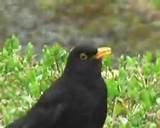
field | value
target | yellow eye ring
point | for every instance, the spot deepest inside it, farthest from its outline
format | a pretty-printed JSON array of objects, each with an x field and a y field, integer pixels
[{"x": 83, "y": 56}]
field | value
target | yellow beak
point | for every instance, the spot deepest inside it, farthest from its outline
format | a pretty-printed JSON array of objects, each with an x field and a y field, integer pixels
[{"x": 102, "y": 52}]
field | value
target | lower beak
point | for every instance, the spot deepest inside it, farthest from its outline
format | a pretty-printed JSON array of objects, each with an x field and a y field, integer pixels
[{"x": 102, "y": 52}]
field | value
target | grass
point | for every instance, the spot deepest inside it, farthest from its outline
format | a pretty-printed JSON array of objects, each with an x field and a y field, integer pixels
[{"x": 133, "y": 86}]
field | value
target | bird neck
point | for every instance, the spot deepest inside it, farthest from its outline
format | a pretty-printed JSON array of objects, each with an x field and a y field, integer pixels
[{"x": 82, "y": 75}]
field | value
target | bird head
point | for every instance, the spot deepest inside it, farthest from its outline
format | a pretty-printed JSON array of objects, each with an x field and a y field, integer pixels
[{"x": 86, "y": 60}]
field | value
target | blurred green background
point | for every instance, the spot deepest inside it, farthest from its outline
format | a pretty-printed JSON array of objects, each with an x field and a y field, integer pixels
[{"x": 129, "y": 26}]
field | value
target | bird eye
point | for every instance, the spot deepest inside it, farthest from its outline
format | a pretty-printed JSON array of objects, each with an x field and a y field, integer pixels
[{"x": 83, "y": 56}]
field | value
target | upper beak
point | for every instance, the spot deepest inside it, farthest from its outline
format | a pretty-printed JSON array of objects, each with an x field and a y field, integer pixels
[{"x": 103, "y": 51}]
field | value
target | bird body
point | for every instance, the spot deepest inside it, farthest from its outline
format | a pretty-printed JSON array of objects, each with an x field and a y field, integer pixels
[{"x": 78, "y": 99}]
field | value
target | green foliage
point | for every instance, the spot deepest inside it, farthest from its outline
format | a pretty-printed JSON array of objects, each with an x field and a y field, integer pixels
[
  {"x": 156, "y": 3},
  {"x": 132, "y": 92},
  {"x": 133, "y": 87}
]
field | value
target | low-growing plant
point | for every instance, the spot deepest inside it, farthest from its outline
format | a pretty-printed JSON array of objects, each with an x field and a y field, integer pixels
[{"x": 133, "y": 86}]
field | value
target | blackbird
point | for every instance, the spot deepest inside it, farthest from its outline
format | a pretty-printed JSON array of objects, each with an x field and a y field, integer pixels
[{"x": 78, "y": 99}]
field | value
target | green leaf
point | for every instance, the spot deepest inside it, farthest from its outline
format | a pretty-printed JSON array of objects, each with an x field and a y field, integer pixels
[
  {"x": 112, "y": 86},
  {"x": 11, "y": 45},
  {"x": 28, "y": 52}
]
